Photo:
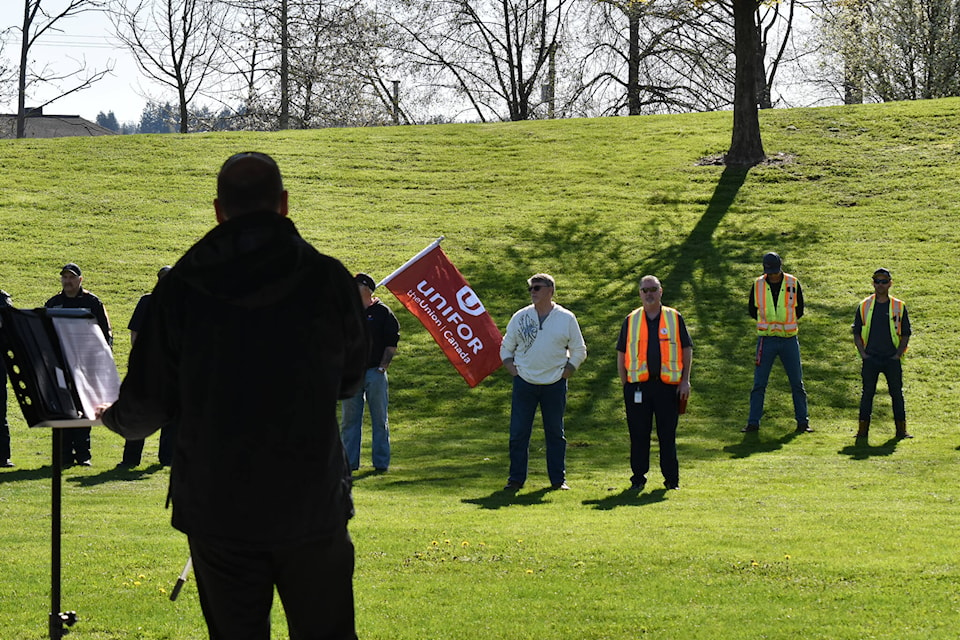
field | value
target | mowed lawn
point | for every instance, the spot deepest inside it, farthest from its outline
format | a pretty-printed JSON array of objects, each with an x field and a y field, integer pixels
[{"x": 772, "y": 535}]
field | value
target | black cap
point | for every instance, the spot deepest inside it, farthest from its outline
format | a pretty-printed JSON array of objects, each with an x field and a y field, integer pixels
[
  {"x": 772, "y": 263},
  {"x": 366, "y": 281},
  {"x": 882, "y": 271},
  {"x": 72, "y": 268}
]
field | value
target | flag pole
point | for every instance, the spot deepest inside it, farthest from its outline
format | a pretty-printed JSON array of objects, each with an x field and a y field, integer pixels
[{"x": 409, "y": 262}]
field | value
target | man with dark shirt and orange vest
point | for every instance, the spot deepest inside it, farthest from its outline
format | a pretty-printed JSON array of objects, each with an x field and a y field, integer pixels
[
  {"x": 881, "y": 331},
  {"x": 776, "y": 303},
  {"x": 655, "y": 374}
]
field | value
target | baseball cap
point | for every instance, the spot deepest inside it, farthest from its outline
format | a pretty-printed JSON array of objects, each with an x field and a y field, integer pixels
[
  {"x": 772, "y": 263},
  {"x": 72, "y": 268},
  {"x": 366, "y": 281},
  {"x": 882, "y": 271}
]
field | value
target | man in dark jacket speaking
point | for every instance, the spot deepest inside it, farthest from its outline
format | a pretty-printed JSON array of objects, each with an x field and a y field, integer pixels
[{"x": 248, "y": 344}]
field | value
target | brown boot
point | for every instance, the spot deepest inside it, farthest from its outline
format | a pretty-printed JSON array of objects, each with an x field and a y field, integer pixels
[
  {"x": 902, "y": 430},
  {"x": 863, "y": 429}
]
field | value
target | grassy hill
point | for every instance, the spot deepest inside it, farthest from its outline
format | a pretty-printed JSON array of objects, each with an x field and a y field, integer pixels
[{"x": 771, "y": 536}]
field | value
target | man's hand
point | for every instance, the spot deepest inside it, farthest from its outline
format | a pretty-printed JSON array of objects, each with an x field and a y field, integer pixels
[{"x": 98, "y": 411}]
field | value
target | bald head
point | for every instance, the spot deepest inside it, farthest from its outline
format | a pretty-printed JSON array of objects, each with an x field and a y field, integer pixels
[{"x": 247, "y": 183}]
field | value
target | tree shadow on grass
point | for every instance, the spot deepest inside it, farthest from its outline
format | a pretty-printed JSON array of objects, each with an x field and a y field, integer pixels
[
  {"x": 862, "y": 450},
  {"x": 505, "y": 498},
  {"x": 627, "y": 498}
]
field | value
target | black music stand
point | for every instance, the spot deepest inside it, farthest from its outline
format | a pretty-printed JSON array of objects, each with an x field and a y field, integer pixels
[{"x": 53, "y": 361}]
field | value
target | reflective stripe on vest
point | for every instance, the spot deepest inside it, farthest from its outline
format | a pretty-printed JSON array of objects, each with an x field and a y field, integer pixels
[
  {"x": 778, "y": 319},
  {"x": 895, "y": 314},
  {"x": 635, "y": 358}
]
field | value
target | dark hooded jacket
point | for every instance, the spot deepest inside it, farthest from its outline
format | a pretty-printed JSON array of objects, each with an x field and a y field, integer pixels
[{"x": 248, "y": 344}]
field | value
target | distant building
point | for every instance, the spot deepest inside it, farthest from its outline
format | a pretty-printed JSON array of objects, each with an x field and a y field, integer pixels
[{"x": 38, "y": 125}]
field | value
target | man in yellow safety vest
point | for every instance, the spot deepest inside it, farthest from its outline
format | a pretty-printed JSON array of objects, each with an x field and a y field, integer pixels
[
  {"x": 881, "y": 331},
  {"x": 776, "y": 302}
]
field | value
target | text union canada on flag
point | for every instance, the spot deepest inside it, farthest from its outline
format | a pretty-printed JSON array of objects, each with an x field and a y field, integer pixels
[{"x": 435, "y": 291}]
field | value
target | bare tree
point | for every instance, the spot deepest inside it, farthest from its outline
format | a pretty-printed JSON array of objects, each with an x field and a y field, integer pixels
[
  {"x": 304, "y": 63},
  {"x": 177, "y": 43},
  {"x": 893, "y": 49},
  {"x": 38, "y": 21},
  {"x": 492, "y": 53},
  {"x": 655, "y": 56}
]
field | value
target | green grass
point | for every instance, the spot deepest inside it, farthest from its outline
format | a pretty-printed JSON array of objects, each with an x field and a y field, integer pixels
[{"x": 771, "y": 537}]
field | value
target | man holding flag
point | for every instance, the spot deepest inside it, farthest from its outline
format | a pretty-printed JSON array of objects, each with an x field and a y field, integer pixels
[
  {"x": 384, "y": 332},
  {"x": 543, "y": 346}
]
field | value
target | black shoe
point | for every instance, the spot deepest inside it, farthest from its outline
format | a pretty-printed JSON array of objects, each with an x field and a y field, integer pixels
[
  {"x": 637, "y": 486},
  {"x": 671, "y": 487},
  {"x": 562, "y": 486},
  {"x": 126, "y": 465},
  {"x": 7, "y": 464},
  {"x": 513, "y": 486},
  {"x": 804, "y": 427},
  {"x": 85, "y": 463},
  {"x": 750, "y": 428}
]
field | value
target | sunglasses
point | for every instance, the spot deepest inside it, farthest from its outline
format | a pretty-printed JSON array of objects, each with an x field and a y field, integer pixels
[
  {"x": 649, "y": 289},
  {"x": 880, "y": 281},
  {"x": 537, "y": 287}
]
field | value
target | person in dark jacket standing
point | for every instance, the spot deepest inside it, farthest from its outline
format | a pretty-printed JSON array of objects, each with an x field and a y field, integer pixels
[
  {"x": 76, "y": 440},
  {"x": 5, "y": 460},
  {"x": 133, "y": 449},
  {"x": 249, "y": 342},
  {"x": 384, "y": 331}
]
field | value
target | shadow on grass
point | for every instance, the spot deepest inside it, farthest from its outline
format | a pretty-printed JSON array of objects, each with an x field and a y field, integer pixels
[
  {"x": 16, "y": 475},
  {"x": 116, "y": 474},
  {"x": 504, "y": 498},
  {"x": 627, "y": 498},
  {"x": 752, "y": 444},
  {"x": 862, "y": 450}
]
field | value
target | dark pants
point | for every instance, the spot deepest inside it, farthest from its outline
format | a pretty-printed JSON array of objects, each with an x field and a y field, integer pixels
[
  {"x": 133, "y": 449},
  {"x": 4, "y": 425},
  {"x": 552, "y": 400},
  {"x": 892, "y": 370},
  {"x": 659, "y": 401},
  {"x": 76, "y": 445},
  {"x": 314, "y": 581}
]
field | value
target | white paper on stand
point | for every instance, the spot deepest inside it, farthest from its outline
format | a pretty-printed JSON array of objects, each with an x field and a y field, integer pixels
[{"x": 90, "y": 361}]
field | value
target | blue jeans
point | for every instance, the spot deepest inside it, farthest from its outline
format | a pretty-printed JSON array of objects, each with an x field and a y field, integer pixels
[
  {"x": 552, "y": 400},
  {"x": 892, "y": 370},
  {"x": 375, "y": 392},
  {"x": 768, "y": 349}
]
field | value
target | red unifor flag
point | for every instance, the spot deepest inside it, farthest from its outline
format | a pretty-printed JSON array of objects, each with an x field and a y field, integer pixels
[{"x": 433, "y": 290}]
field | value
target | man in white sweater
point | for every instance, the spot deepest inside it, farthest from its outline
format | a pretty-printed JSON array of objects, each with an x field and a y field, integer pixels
[{"x": 542, "y": 348}]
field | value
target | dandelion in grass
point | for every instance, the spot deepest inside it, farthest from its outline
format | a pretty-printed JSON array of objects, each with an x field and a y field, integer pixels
[
  {"x": 787, "y": 557},
  {"x": 754, "y": 563},
  {"x": 529, "y": 572},
  {"x": 464, "y": 544}
]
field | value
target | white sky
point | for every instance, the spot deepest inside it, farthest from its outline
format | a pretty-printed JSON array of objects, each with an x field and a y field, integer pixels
[{"x": 86, "y": 37}]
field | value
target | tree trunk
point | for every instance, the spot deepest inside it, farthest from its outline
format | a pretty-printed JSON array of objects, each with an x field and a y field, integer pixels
[
  {"x": 22, "y": 77},
  {"x": 284, "y": 66},
  {"x": 746, "y": 147},
  {"x": 633, "y": 60}
]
